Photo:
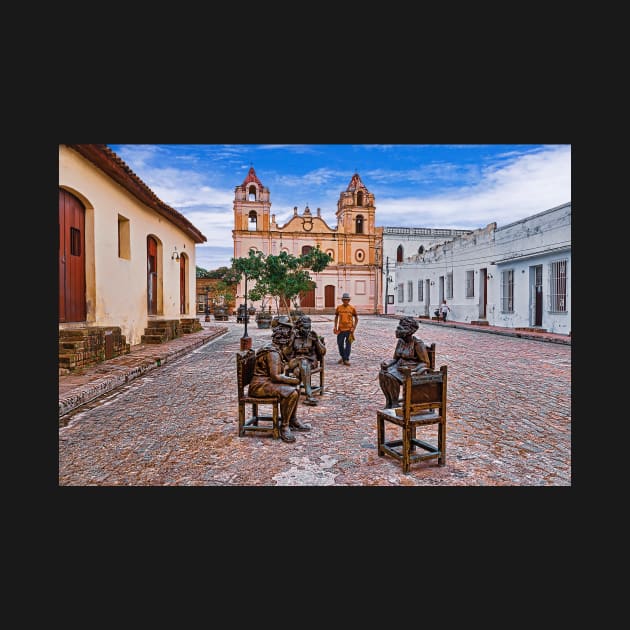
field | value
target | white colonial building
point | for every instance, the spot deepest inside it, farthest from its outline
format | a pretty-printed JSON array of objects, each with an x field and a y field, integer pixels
[
  {"x": 517, "y": 276},
  {"x": 402, "y": 243}
]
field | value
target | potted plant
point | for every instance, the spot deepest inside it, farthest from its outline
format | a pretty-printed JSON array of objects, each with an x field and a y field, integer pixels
[{"x": 222, "y": 293}]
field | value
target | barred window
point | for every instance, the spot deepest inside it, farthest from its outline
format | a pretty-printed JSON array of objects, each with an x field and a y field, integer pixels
[
  {"x": 507, "y": 291},
  {"x": 401, "y": 293},
  {"x": 420, "y": 291},
  {"x": 409, "y": 291},
  {"x": 470, "y": 283},
  {"x": 558, "y": 286},
  {"x": 449, "y": 285}
]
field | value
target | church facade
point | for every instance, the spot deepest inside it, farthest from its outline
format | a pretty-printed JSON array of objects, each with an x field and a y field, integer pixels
[{"x": 355, "y": 243}]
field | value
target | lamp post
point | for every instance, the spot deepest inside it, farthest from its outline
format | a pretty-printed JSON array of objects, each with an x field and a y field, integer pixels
[{"x": 246, "y": 342}]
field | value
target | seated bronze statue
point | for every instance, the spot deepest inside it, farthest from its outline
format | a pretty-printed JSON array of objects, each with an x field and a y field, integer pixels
[
  {"x": 304, "y": 353},
  {"x": 410, "y": 354},
  {"x": 270, "y": 380}
]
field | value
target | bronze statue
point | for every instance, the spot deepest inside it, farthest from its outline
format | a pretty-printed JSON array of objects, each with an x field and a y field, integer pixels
[
  {"x": 410, "y": 353},
  {"x": 269, "y": 380},
  {"x": 304, "y": 353}
]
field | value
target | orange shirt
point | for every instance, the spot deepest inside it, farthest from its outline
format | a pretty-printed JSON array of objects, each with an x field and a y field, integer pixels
[{"x": 345, "y": 312}]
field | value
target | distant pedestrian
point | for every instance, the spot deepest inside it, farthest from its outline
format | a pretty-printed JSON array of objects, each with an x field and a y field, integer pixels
[
  {"x": 444, "y": 309},
  {"x": 346, "y": 320}
]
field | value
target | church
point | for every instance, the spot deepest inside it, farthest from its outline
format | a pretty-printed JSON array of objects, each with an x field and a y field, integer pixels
[{"x": 355, "y": 243}]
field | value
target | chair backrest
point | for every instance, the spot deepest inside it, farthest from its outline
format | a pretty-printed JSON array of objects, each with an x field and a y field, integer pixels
[
  {"x": 245, "y": 361},
  {"x": 431, "y": 351},
  {"x": 424, "y": 392}
]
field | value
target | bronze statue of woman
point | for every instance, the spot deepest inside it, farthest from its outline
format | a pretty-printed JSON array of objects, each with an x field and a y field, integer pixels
[{"x": 410, "y": 353}]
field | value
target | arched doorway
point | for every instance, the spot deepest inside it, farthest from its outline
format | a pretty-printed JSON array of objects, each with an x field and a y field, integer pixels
[
  {"x": 72, "y": 303},
  {"x": 152, "y": 276}
]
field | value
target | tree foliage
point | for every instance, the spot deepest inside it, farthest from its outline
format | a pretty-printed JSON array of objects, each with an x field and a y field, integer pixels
[{"x": 282, "y": 277}]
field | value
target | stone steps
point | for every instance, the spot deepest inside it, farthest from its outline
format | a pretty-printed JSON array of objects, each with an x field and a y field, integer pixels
[{"x": 89, "y": 345}]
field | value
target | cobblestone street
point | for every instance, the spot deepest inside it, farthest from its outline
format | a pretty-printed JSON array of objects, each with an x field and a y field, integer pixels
[{"x": 509, "y": 419}]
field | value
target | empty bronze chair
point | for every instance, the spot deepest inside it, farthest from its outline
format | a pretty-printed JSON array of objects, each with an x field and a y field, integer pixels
[
  {"x": 423, "y": 404},
  {"x": 270, "y": 423}
]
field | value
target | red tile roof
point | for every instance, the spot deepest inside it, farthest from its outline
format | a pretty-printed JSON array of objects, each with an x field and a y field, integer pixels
[
  {"x": 356, "y": 183},
  {"x": 113, "y": 166},
  {"x": 252, "y": 177}
]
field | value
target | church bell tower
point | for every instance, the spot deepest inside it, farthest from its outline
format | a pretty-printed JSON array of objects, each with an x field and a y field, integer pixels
[{"x": 251, "y": 205}]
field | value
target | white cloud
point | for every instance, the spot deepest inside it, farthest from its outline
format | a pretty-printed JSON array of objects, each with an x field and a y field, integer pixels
[{"x": 526, "y": 185}]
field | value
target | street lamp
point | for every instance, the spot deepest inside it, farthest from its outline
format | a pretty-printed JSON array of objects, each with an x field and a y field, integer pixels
[{"x": 246, "y": 341}]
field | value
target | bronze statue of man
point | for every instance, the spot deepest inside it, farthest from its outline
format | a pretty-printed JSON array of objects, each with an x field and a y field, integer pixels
[
  {"x": 304, "y": 352},
  {"x": 269, "y": 380},
  {"x": 410, "y": 353}
]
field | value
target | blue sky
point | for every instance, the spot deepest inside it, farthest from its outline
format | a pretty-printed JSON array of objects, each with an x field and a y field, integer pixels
[{"x": 461, "y": 186}]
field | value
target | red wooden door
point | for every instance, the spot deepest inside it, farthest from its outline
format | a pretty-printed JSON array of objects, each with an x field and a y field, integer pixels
[
  {"x": 307, "y": 299},
  {"x": 182, "y": 284},
  {"x": 329, "y": 296},
  {"x": 72, "y": 306},
  {"x": 151, "y": 276}
]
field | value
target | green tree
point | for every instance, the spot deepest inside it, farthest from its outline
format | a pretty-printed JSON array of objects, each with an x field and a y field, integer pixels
[{"x": 282, "y": 277}]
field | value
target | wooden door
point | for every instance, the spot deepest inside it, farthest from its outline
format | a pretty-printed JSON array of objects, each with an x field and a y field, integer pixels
[
  {"x": 329, "y": 296},
  {"x": 538, "y": 293},
  {"x": 307, "y": 299},
  {"x": 182, "y": 284},
  {"x": 152, "y": 278},
  {"x": 72, "y": 303}
]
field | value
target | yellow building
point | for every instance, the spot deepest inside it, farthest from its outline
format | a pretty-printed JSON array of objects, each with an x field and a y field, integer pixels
[
  {"x": 126, "y": 259},
  {"x": 355, "y": 244}
]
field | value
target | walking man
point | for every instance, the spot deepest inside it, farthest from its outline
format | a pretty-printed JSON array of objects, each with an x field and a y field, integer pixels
[{"x": 346, "y": 320}]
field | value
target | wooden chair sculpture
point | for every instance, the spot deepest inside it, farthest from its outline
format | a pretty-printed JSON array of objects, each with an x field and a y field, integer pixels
[
  {"x": 423, "y": 404},
  {"x": 317, "y": 386},
  {"x": 244, "y": 371}
]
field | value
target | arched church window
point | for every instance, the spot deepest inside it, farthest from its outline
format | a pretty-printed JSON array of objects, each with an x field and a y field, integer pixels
[
  {"x": 306, "y": 249},
  {"x": 399, "y": 253},
  {"x": 359, "y": 224},
  {"x": 360, "y": 198},
  {"x": 252, "y": 224},
  {"x": 252, "y": 193}
]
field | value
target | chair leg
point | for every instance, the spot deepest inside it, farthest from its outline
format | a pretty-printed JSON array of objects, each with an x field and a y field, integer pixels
[
  {"x": 380, "y": 435},
  {"x": 241, "y": 419},
  {"x": 254, "y": 414},
  {"x": 442, "y": 443},
  {"x": 406, "y": 445}
]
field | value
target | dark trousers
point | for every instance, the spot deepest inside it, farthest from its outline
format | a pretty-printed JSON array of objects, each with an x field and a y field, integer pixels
[
  {"x": 344, "y": 345},
  {"x": 444, "y": 316}
]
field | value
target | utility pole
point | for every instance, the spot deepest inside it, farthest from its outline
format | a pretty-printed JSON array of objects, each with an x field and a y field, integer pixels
[{"x": 386, "y": 283}]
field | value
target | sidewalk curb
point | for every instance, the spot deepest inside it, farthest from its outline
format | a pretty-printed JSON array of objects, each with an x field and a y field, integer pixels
[
  {"x": 156, "y": 356},
  {"x": 493, "y": 330},
  {"x": 505, "y": 333}
]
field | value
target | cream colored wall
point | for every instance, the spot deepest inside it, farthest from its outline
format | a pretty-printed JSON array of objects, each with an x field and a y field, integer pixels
[{"x": 117, "y": 287}]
